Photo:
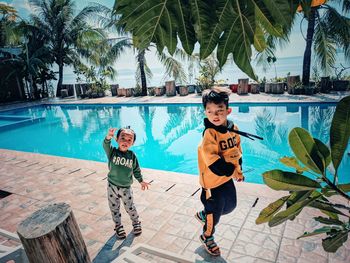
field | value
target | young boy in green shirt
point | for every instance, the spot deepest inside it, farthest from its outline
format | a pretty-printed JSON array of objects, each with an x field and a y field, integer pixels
[{"x": 123, "y": 165}]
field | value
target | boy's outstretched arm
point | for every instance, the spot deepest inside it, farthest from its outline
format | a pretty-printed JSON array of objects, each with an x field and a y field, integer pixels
[
  {"x": 107, "y": 141},
  {"x": 137, "y": 173}
]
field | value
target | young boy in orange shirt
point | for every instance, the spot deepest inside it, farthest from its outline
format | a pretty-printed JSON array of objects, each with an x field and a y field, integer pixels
[{"x": 219, "y": 161}]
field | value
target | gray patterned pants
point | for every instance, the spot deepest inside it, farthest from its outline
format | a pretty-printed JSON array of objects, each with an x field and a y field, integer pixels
[{"x": 115, "y": 194}]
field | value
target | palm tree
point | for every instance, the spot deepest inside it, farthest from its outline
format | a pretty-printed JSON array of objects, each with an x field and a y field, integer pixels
[
  {"x": 10, "y": 36},
  {"x": 328, "y": 28},
  {"x": 142, "y": 70},
  {"x": 7, "y": 25},
  {"x": 68, "y": 36}
]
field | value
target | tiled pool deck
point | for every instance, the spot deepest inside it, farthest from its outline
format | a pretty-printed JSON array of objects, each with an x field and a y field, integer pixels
[{"x": 166, "y": 210}]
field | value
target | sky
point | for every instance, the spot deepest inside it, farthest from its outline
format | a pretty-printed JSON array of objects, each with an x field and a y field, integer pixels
[{"x": 295, "y": 47}]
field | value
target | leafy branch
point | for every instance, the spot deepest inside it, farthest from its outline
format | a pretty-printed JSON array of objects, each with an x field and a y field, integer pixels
[{"x": 307, "y": 192}]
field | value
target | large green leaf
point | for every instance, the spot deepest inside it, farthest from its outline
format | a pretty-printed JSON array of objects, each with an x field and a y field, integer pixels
[
  {"x": 324, "y": 151},
  {"x": 205, "y": 17},
  {"x": 267, "y": 213},
  {"x": 325, "y": 207},
  {"x": 283, "y": 216},
  {"x": 259, "y": 39},
  {"x": 273, "y": 29},
  {"x": 287, "y": 181},
  {"x": 293, "y": 162},
  {"x": 152, "y": 21},
  {"x": 328, "y": 221},
  {"x": 181, "y": 13},
  {"x": 228, "y": 25},
  {"x": 305, "y": 149},
  {"x": 297, "y": 197},
  {"x": 238, "y": 37},
  {"x": 332, "y": 243},
  {"x": 340, "y": 131},
  {"x": 322, "y": 230},
  {"x": 328, "y": 191}
]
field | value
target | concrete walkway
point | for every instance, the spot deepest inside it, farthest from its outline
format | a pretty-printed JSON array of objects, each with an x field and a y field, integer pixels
[
  {"x": 35, "y": 180},
  {"x": 166, "y": 210}
]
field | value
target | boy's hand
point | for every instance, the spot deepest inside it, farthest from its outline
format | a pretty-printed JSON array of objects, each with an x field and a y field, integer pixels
[
  {"x": 144, "y": 185},
  {"x": 238, "y": 174},
  {"x": 110, "y": 133}
]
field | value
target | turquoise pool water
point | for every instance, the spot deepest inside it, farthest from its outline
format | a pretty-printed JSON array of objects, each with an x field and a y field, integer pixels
[{"x": 167, "y": 135}]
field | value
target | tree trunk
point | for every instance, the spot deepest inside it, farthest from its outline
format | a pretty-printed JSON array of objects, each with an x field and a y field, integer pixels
[
  {"x": 52, "y": 235},
  {"x": 141, "y": 59},
  {"x": 60, "y": 79},
  {"x": 19, "y": 88},
  {"x": 307, "y": 53}
]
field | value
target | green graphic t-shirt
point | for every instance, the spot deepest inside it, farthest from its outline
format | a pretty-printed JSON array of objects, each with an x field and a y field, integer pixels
[{"x": 122, "y": 166}]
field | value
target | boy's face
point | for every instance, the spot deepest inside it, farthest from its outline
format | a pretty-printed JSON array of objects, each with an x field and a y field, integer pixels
[
  {"x": 217, "y": 113},
  {"x": 125, "y": 141}
]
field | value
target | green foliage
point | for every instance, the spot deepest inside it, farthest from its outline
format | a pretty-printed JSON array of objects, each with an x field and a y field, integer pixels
[
  {"x": 137, "y": 90},
  {"x": 340, "y": 131},
  {"x": 69, "y": 36},
  {"x": 228, "y": 26},
  {"x": 208, "y": 69},
  {"x": 293, "y": 162},
  {"x": 304, "y": 148},
  {"x": 287, "y": 181},
  {"x": 97, "y": 79},
  {"x": 267, "y": 213},
  {"x": 307, "y": 192}
]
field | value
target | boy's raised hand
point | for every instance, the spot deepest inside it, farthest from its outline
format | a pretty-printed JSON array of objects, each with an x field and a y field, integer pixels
[
  {"x": 144, "y": 185},
  {"x": 110, "y": 133}
]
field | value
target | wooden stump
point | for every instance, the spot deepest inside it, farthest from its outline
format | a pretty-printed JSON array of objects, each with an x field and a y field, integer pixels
[
  {"x": 64, "y": 93},
  {"x": 170, "y": 88},
  {"x": 114, "y": 88},
  {"x": 255, "y": 88},
  {"x": 183, "y": 90},
  {"x": 121, "y": 92},
  {"x": 277, "y": 88},
  {"x": 242, "y": 86},
  {"x": 129, "y": 92},
  {"x": 159, "y": 91},
  {"x": 51, "y": 234},
  {"x": 191, "y": 88},
  {"x": 268, "y": 87}
]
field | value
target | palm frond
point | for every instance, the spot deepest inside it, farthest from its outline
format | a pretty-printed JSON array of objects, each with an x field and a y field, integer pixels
[
  {"x": 173, "y": 68},
  {"x": 99, "y": 14},
  {"x": 338, "y": 29},
  {"x": 148, "y": 71},
  {"x": 324, "y": 47}
]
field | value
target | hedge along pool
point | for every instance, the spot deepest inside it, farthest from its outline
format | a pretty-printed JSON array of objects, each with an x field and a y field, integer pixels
[{"x": 167, "y": 135}]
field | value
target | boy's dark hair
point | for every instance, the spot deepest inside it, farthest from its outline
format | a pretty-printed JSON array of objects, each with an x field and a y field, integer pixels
[
  {"x": 128, "y": 130},
  {"x": 216, "y": 95}
]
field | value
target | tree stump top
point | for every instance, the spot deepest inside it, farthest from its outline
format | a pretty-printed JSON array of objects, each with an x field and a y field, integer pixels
[{"x": 44, "y": 220}]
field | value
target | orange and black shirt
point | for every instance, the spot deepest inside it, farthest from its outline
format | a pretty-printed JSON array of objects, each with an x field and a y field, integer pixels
[{"x": 218, "y": 154}]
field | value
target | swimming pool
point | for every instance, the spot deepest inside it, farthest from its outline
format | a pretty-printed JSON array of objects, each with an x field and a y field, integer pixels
[{"x": 167, "y": 135}]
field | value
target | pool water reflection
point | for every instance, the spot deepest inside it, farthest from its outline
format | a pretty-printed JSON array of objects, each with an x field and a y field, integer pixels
[{"x": 168, "y": 135}]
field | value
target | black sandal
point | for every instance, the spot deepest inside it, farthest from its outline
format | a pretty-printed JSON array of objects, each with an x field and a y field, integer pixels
[
  {"x": 120, "y": 232},
  {"x": 210, "y": 246},
  {"x": 137, "y": 228}
]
